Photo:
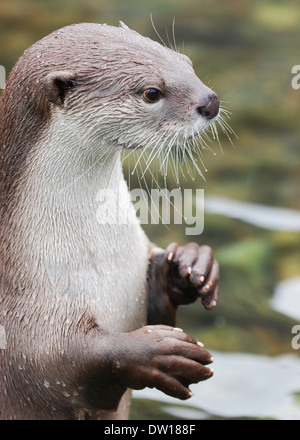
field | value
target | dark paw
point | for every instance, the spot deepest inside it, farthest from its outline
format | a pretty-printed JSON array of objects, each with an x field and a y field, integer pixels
[
  {"x": 193, "y": 272},
  {"x": 165, "y": 358}
]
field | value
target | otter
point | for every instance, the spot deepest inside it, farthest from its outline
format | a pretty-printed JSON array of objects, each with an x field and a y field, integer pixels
[{"x": 89, "y": 309}]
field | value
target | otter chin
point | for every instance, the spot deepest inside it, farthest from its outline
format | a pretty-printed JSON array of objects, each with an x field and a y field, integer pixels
[{"x": 89, "y": 308}]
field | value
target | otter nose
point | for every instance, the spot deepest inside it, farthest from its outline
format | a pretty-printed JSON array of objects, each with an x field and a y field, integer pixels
[{"x": 211, "y": 108}]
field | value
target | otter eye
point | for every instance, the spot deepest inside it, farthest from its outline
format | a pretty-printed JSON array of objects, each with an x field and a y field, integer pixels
[{"x": 152, "y": 95}]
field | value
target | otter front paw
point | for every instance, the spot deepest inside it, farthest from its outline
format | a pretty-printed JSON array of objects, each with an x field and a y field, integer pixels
[
  {"x": 163, "y": 357},
  {"x": 191, "y": 272}
]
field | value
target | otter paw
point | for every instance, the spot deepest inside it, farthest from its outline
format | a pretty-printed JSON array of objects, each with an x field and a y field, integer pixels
[
  {"x": 165, "y": 358},
  {"x": 193, "y": 272}
]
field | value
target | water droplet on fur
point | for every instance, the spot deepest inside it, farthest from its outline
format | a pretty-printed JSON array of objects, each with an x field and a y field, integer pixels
[{"x": 46, "y": 384}]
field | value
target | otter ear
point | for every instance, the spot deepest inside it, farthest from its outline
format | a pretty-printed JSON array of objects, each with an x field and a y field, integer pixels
[{"x": 57, "y": 84}]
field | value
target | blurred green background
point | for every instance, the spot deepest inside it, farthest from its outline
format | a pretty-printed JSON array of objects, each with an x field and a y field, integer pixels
[{"x": 245, "y": 51}]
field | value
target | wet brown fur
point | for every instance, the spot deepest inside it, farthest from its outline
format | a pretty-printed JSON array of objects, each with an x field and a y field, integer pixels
[{"x": 73, "y": 373}]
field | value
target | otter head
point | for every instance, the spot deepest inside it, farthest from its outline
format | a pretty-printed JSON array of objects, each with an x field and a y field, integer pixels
[
  {"x": 125, "y": 89},
  {"x": 107, "y": 88}
]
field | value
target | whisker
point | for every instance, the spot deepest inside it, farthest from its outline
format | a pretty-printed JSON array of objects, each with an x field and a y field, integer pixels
[
  {"x": 168, "y": 39},
  {"x": 160, "y": 189},
  {"x": 173, "y": 32},
  {"x": 156, "y": 31},
  {"x": 153, "y": 153},
  {"x": 225, "y": 127},
  {"x": 166, "y": 154},
  {"x": 180, "y": 153},
  {"x": 191, "y": 157},
  {"x": 149, "y": 192}
]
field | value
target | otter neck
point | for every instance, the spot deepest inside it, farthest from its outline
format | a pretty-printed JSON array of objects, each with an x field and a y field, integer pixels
[
  {"x": 59, "y": 205},
  {"x": 68, "y": 159},
  {"x": 62, "y": 251}
]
